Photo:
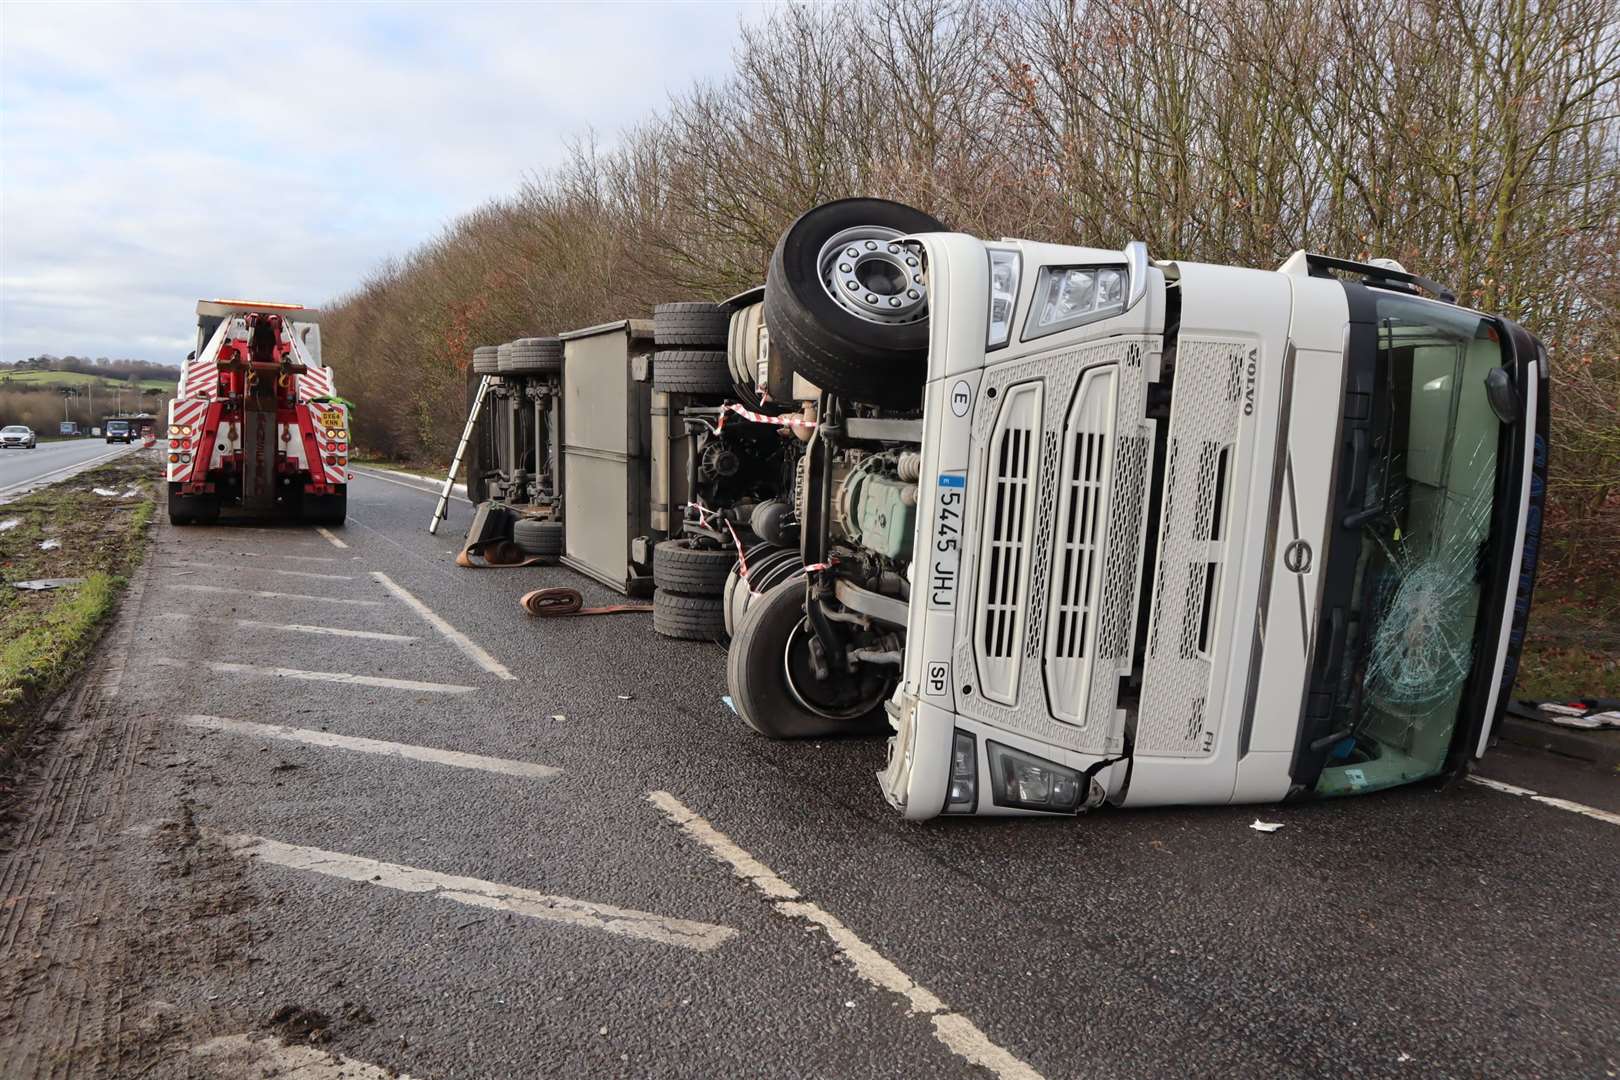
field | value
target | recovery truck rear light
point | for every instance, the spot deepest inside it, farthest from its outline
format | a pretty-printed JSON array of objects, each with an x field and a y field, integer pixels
[
  {"x": 174, "y": 459},
  {"x": 1031, "y": 783},
  {"x": 963, "y": 795},
  {"x": 185, "y": 459}
]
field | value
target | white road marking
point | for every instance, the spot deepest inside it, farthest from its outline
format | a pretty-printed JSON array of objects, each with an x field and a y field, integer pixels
[
  {"x": 959, "y": 1034},
  {"x": 231, "y": 567},
  {"x": 299, "y": 628},
  {"x": 66, "y": 472},
  {"x": 420, "y": 480},
  {"x": 327, "y": 739},
  {"x": 226, "y": 668},
  {"x": 487, "y": 894},
  {"x": 278, "y": 555},
  {"x": 461, "y": 641},
  {"x": 1606, "y": 816},
  {"x": 265, "y": 595},
  {"x": 324, "y": 531},
  {"x": 243, "y": 1055}
]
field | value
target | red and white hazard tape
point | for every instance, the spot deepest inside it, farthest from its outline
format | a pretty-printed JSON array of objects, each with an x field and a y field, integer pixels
[{"x": 760, "y": 418}]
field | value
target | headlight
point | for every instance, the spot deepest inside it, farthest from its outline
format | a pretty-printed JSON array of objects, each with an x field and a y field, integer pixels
[
  {"x": 1023, "y": 780},
  {"x": 963, "y": 796},
  {"x": 1004, "y": 273},
  {"x": 1075, "y": 295}
]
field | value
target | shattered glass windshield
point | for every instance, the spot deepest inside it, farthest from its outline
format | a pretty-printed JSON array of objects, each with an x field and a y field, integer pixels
[{"x": 1418, "y": 588}]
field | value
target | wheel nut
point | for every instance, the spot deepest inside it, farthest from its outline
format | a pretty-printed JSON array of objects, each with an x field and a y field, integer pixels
[
  {"x": 852, "y": 253},
  {"x": 870, "y": 299},
  {"x": 917, "y": 278},
  {"x": 894, "y": 249},
  {"x": 871, "y": 245},
  {"x": 911, "y": 260},
  {"x": 844, "y": 268},
  {"x": 894, "y": 301},
  {"x": 913, "y": 293},
  {"x": 852, "y": 285}
]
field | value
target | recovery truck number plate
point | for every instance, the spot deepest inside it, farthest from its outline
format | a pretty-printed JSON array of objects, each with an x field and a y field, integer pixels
[
  {"x": 950, "y": 496},
  {"x": 331, "y": 418}
]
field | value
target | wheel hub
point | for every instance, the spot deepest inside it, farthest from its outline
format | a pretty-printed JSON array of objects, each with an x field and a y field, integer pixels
[
  {"x": 837, "y": 698},
  {"x": 870, "y": 274}
]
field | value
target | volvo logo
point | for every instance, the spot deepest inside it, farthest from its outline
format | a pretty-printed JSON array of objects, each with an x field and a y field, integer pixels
[{"x": 1297, "y": 557}]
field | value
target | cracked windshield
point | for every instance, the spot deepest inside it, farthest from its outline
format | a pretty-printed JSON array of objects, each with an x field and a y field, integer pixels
[{"x": 1419, "y": 585}]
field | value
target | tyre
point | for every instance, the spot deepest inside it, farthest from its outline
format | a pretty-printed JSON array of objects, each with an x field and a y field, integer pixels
[
  {"x": 688, "y": 324},
  {"x": 533, "y": 356},
  {"x": 690, "y": 618},
  {"x": 192, "y": 509},
  {"x": 681, "y": 567},
  {"x": 853, "y": 324},
  {"x": 773, "y": 688},
  {"x": 486, "y": 360},
  {"x": 682, "y": 372},
  {"x": 537, "y": 536},
  {"x": 330, "y": 510}
]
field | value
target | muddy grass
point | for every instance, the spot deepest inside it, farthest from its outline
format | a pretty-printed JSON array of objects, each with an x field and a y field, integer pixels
[
  {"x": 98, "y": 539},
  {"x": 1572, "y": 645}
]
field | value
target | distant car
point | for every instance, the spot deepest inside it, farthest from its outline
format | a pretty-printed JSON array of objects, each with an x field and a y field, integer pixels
[
  {"x": 118, "y": 431},
  {"x": 18, "y": 435}
]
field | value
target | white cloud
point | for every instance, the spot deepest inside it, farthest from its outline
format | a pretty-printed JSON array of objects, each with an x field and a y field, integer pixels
[{"x": 151, "y": 155}]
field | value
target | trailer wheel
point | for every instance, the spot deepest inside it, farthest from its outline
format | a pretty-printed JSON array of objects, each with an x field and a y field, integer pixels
[
  {"x": 847, "y": 306},
  {"x": 533, "y": 356},
  {"x": 689, "y": 323},
  {"x": 680, "y": 566},
  {"x": 486, "y": 360},
  {"x": 682, "y": 372},
  {"x": 771, "y": 685},
  {"x": 539, "y": 537},
  {"x": 689, "y": 618}
]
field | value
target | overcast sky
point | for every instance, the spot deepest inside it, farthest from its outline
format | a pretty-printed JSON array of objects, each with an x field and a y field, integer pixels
[{"x": 151, "y": 156}]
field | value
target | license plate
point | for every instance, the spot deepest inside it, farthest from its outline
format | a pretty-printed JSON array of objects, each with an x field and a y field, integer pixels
[
  {"x": 331, "y": 418},
  {"x": 950, "y": 497}
]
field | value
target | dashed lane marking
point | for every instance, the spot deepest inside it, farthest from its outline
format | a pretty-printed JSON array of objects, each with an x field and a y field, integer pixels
[
  {"x": 296, "y": 628},
  {"x": 958, "y": 1034},
  {"x": 243, "y": 1055},
  {"x": 331, "y": 538},
  {"x": 327, "y": 739},
  {"x": 474, "y": 651},
  {"x": 1606, "y": 816},
  {"x": 267, "y": 595},
  {"x": 265, "y": 570},
  {"x": 490, "y": 895},
  {"x": 226, "y": 668}
]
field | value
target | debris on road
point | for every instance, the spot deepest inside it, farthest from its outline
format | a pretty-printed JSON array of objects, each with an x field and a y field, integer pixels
[
  {"x": 44, "y": 584},
  {"x": 50, "y": 545},
  {"x": 1265, "y": 826}
]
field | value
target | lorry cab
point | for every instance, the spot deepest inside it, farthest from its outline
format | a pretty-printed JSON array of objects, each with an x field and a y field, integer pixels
[{"x": 1188, "y": 533}]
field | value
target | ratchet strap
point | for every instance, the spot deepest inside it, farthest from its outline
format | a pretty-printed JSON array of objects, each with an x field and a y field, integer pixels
[
  {"x": 548, "y": 603},
  {"x": 499, "y": 555}
]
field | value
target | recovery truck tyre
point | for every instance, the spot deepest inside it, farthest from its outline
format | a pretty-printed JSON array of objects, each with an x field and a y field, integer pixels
[
  {"x": 192, "y": 509},
  {"x": 689, "y": 618},
  {"x": 486, "y": 360},
  {"x": 681, "y": 567},
  {"x": 682, "y": 372},
  {"x": 847, "y": 306},
  {"x": 325, "y": 509},
  {"x": 534, "y": 356},
  {"x": 687, "y": 324},
  {"x": 768, "y": 674},
  {"x": 538, "y": 537}
]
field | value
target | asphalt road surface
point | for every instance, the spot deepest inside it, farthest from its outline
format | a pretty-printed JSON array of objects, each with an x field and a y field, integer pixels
[
  {"x": 22, "y": 470},
  {"x": 331, "y": 803}
]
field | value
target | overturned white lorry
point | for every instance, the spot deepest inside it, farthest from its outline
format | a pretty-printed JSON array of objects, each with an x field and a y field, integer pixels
[{"x": 1083, "y": 527}]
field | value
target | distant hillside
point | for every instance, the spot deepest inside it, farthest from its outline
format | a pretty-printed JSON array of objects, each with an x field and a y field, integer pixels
[{"x": 10, "y": 377}]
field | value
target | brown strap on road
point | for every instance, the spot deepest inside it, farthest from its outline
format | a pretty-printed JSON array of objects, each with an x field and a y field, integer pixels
[
  {"x": 551, "y": 602},
  {"x": 499, "y": 555}
]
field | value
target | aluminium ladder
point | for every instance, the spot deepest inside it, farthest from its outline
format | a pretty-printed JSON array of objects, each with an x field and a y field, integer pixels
[{"x": 442, "y": 510}]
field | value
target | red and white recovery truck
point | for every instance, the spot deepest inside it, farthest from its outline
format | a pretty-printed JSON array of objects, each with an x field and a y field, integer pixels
[{"x": 256, "y": 422}]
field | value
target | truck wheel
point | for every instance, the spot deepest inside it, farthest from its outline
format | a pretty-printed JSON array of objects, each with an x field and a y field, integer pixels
[
  {"x": 539, "y": 537},
  {"x": 767, "y": 672},
  {"x": 705, "y": 325},
  {"x": 533, "y": 356},
  {"x": 680, "y": 372},
  {"x": 689, "y": 618},
  {"x": 680, "y": 566},
  {"x": 486, "y": 360},
  {"x": 847, "y": 306}
]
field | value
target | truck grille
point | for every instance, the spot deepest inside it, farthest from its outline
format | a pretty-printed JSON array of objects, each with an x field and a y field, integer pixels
[
  {"x": 1088, "y": 438},
  {"x": 1004, "y": 569}
]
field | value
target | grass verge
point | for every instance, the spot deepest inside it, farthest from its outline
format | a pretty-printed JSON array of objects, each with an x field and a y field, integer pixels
[
  {"x": 1572, "y": 645},
  {"x": 99, "y": 540}
]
